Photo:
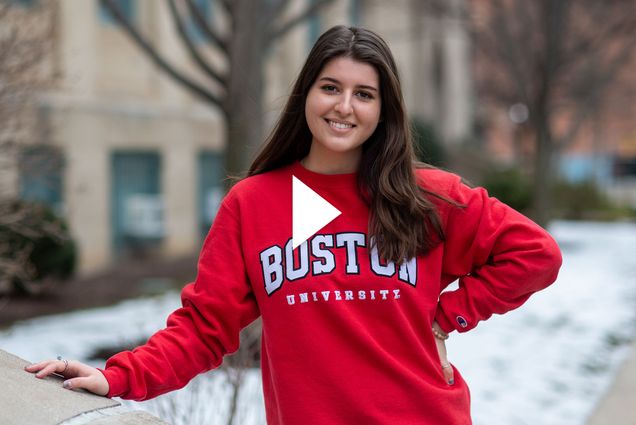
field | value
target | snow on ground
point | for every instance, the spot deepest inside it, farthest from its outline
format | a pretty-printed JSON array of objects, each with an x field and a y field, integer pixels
[{"x": 547, "y": 363}]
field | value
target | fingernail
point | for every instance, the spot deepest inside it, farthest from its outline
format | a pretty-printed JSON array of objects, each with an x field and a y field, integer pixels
[
  {"x": 67, "y": 384},
  {"x": 451, "y": 382}
]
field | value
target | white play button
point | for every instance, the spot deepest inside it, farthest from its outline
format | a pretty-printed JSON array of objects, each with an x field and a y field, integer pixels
[{"x": 310, "y": 212}]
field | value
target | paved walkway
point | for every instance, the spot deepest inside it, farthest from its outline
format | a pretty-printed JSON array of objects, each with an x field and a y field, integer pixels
[{"x": 618, "y": 406}]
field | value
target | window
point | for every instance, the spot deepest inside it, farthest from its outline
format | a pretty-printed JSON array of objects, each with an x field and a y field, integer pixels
[
  {"x": 210, "y": 188},
  {"x": 23, "y": 3},
  {"x": 127, "y": 7},
  {"x": 137, "y": 207},
  {"x": 625, "y": 166},
  {"x": 40, "y": 175},
  {"x": 314, "y": 26},
  {"x": 579, "y": 168},
  {"x": 355, "y": 11}
]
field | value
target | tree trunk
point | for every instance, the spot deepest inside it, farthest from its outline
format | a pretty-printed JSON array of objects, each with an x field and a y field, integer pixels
[
  {"x": 541, "y": 202},
  {"x": 244, "y": 111}
]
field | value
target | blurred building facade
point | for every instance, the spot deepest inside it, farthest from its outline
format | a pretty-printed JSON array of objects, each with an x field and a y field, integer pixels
[{"x": 140, "y": 160}]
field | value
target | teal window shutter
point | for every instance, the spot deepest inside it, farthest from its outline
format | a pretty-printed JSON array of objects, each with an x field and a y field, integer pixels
[
  {"x": 210, "y": 188},
  {"x": 355, "y": 11},
  {"x": 40, "y": 172},
  {"x": 137, "y": 211},
  {"x": 23, "y": 3},
  {"x": 315, "y": 24},
  {"x": 128, "y": 8}
]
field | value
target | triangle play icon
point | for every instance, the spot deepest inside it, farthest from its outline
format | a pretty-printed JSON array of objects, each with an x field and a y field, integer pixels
[{"x": 310, "y": 212}]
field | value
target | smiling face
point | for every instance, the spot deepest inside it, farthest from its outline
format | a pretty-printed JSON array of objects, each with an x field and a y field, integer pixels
[{"x": 342, "y": 111}]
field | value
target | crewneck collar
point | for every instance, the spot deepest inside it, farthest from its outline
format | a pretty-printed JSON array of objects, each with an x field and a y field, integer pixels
[{"x": 312, "y": 178}]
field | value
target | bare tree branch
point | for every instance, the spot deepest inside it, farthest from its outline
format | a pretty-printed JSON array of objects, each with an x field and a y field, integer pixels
[
  {"x": 285, "y": 27},
  {"x": 586, "y": 41},
  {"x": 596, "y": 84},
  {"x": 154, "y": 55},
  {"x": 4, "y": 8},
  {"x": 192, "y": 49},
  {"x": 509, "y": 53},
  {"x": 202, "y": 23}
]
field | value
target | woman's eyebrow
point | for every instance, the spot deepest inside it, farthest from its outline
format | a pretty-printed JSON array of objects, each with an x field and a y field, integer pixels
[{"x": 360, "y": 86}]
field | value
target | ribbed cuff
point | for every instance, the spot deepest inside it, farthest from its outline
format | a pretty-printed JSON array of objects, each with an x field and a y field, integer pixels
[
  {"x": 442, "y": 320},
  {"x": 116, "y": 382}
]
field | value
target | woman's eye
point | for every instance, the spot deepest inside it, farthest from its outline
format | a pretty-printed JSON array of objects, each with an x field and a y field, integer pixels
[
  {"x": 365, "y": 95},
  {"x": 329, "y": 88}
]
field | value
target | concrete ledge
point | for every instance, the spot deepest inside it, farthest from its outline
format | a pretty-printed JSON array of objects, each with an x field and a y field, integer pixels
[
  {"x": 113, "y": 416},
  {"x": 26, "y": 400}
]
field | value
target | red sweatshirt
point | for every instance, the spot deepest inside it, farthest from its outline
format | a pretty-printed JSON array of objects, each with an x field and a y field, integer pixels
[{"x": 346, "y": 337}]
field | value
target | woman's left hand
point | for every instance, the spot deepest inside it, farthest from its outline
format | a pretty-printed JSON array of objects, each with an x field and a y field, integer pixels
[
  {"x": 77, "y": 375},
  {"x": 447, "y": 369}
]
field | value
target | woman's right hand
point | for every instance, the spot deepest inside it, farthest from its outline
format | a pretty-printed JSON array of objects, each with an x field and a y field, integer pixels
[
  {"x": 447, "y": 368},
  {"x": 76, "y": 374}
]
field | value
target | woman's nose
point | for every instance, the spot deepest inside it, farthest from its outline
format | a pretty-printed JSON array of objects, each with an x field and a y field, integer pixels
[{"x": 343, "y": 107}]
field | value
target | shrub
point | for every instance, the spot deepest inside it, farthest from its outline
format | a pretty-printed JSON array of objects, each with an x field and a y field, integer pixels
[
  {"x": 586, "y": 201},
  {"x": 571, "y": 201},
  {"x": 35, "y": 247},
  {"x": 509, "y": 186}
]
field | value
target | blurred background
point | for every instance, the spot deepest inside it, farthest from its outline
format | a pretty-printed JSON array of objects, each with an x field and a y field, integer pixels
[{"x": 120, "y": 121}]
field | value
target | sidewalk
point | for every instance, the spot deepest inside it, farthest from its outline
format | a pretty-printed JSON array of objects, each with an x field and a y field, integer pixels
[{"x": 618, "y": 406}]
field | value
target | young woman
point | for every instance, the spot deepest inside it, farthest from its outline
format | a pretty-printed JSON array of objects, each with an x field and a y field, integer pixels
[{"x": 354, "y": 319}]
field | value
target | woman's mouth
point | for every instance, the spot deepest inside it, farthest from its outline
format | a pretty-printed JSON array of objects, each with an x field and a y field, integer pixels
[{"x": 339, "y": 125}]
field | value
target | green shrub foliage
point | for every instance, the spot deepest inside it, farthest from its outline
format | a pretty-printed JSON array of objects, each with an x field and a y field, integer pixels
[
  {"x": 509, "y": 186},
  {"x": 587, "y": 201},
  {"x": 35, "y": 246}
]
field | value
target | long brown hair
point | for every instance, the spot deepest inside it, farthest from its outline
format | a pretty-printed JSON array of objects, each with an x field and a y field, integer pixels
[{"x": 403, "y": 221}]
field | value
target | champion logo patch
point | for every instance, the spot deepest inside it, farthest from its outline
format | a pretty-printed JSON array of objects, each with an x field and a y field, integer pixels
[{"x": 461, "y": 321}]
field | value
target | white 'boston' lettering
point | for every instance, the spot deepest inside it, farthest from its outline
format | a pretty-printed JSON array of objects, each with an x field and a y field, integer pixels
[
  {"x": 408, "y": 271},
  {"x": 328, "y": 263},
  {"x": 303, "y": 268},
  {"x": 271, "y": 262},
  {"x": 351, "y": 241},
  {"x": 379, "y": 269},
  {"x": 317, "y": 257}
]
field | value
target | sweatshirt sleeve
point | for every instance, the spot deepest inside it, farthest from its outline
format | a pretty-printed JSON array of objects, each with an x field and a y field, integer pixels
[
  {"x": 214, "y": 310},
  {"x": 499, "y": 256}
]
